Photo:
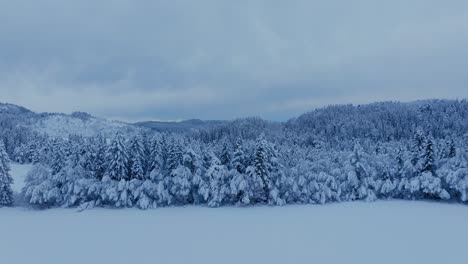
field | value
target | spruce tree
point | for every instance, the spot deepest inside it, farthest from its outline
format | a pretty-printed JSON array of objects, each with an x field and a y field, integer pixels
[
  {"x": 428, "y": 163},
  {"x": 117, "y": 159},
  {"x": 155, "y": 154},
  {"x": 99, "y": 158},
  {"x": 174, "y": 155},
  {"x": 58, "y": 156},
  {"x": 218, "y": 183},
  {"x": 260, "y": 170},
  {"x": 6, "y": 193},
  {"x": 136, "y": 160},
  {"x": 239, "y": 158},
  {"x": 417, "y": 146},
  {"x": 225, "y": 157},
  {"x": 450, "y": 149}
]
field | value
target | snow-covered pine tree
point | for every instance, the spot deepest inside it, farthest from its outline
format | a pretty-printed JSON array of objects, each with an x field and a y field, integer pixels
[
  {"x": 447, "y": 149},
  {"x": 360, "y": 180},
  {"x": 388, "y": 184},
  {"x": 219, "y": 189},
  {"x": 324, "y": 188},
  {"x": 405, "y": 172},
  {"x": 173, "y": 155},
  {"x": 225, "y": 155},
  {"x": 454, "y": 175},
  {"x": 193, "y": 162},
  {"x": 58, "y": 156},
  {"x": 184, "y": 176},
  {"x": 156, "y": 158},
  {"x": 240, "y": 187},
  {"x": 277, "y": 188},
  {"x": 241, "y": 183},
  {"x": 117, "y": 159},
  {"x": 6, "y": 193},
  {"x": 116, "y": 193},
  {"x": 98, "y": 157},
  {"x": 430, "y": 184},
  {"x": 145, "y": 193},
  {"x": 46, "y": 152},
  {"x": 136, "y": 152},
  {"x": 146, "y": 160},
  {"x": 239, "y": 158},
  {"x": 417, "y": 146},
  {"x": 259, "y": 171},
  {"x": 427, "y": 156},
  {"x": 180, "y": 185},
  {"x": 159, "y": 174},
  {"x": 74, "y": 181},
  {"x": 41, "y": 189},
  {"x": 302, "y": 177},
  {"x": 76, "y": 150}
]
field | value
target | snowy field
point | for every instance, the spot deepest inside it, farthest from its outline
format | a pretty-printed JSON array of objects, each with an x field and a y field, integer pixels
[{"x": 380, "y": 232}]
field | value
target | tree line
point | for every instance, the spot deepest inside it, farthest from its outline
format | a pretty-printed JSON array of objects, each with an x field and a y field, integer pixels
[
  {"x": 321, "y": 157},
  {"x": 174, "y": 170}
]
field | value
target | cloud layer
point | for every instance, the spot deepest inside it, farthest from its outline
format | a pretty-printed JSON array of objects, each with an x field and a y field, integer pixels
[{"x": 224, "y": 59}]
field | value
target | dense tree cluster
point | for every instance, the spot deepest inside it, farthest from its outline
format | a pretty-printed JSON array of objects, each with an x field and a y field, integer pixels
[
  {"x": 335, "y": 154},
  {"x": 6, "y": 193},
  {"x": 169, "y": 170}
]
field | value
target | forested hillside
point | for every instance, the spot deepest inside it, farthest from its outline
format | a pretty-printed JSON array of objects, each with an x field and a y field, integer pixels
[{"x": 389, "y": 150}]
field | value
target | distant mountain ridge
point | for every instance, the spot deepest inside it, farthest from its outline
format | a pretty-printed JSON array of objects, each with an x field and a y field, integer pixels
[
  {"x": 6, "y": 108},
  {"x": 376, "y": 121},
  {"x": 62, "y": 125},
  {"x": 84, "y": 124}
]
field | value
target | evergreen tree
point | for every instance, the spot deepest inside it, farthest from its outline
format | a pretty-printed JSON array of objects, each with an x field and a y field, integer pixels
[
  {"x": 275, "y": 179},
  {"x": 58, "y": 156},
  {"x": 180, "y": 185},
  {"x": 6, "y": 193},
  {"x": 73, "y": 182},
  {"x": 98, "y": 156},
  {"x": 156, "y": 154},
  {"x": 117, "y": 159},
  {"x": 218, "y": 183},
  {"x": 241, "y": 188},
  {"x": 225, "y": 156},
  {"x": 428, "y": 162},
  {"x": 259, "y": 171},
  {"x": 362, "y": 185},
  {"x": 451, "y": 149},
  {"x": 417, "y": 146},
  {"x": 137, "y": 158},
  {"x": 174, "y": 155},
  {"x": 239, "y": 158},
  {"x": 430, "y": 184},
  {"x": 41, "y": 189}
]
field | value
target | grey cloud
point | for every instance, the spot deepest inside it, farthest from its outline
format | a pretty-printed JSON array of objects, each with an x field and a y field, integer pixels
[{"x": 225, "y": 59}]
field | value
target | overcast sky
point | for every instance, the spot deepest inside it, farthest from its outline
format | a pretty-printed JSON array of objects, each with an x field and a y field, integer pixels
[{"x": 222, "y": 59}]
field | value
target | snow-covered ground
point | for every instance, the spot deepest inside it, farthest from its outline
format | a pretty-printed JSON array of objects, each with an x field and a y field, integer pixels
[
  {"x": 380, "y": 232},
  {"x": 18, "y": 172}
]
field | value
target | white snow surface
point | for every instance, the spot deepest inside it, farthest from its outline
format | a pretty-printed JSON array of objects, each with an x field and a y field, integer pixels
[
  {"x": 358, "y": 232},
  {"x": 19, "y": 172}
]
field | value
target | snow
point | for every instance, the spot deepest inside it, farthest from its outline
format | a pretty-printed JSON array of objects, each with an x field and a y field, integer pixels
[
  {"x": 18, "y": 172},
  {"x": 357, "y": 232},
  {"x": 354, "y": 232}
]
